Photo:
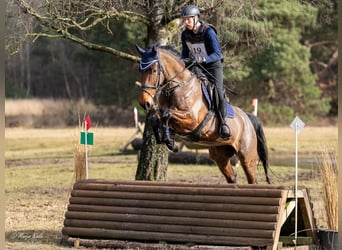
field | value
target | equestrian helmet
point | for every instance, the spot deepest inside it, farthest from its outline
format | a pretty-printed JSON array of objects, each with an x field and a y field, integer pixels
[{"x": 190, "y": 10}]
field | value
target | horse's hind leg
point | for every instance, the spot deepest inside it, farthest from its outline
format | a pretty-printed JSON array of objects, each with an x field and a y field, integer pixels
[
  {"x": 249, "y": 167},
  {"x": 221, "y": 155}
]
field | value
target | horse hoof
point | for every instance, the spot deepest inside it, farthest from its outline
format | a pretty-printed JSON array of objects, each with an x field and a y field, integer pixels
[
  {"x": 172, "y": 146},
  {"x": 175, "y": 149},
  {"x": 268, "y": 180}
]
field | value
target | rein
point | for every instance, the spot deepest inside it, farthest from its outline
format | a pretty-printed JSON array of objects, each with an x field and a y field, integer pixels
[
  {"x": 160, "y": 88},
  {"x": 172, "y": 79},
  {"x": 169, "y": 91}
]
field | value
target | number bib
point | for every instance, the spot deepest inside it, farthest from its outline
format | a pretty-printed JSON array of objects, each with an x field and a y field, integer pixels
[{"x": 197, "y": 49}]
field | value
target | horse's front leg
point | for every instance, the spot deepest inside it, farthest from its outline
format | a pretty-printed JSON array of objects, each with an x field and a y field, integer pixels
[{"x": 170, "y": 142}]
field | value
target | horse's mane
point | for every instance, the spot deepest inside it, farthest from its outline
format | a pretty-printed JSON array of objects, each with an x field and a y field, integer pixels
[{"x": 172, "y": 50}]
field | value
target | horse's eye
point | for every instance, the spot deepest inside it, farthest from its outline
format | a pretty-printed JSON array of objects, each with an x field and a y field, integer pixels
[{"x": 152, "y": 71}]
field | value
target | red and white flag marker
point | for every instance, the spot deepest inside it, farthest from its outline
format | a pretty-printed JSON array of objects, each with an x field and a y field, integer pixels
[
  {"x": 87, "y": 138},
  {"x": 255, "y": 105}
]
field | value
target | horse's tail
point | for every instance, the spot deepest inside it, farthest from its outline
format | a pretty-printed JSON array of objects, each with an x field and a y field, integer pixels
[{"x": 261, "y": 145}]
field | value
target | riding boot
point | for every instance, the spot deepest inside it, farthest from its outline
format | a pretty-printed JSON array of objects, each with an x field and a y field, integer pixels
[{"x": 224, "y": 128}]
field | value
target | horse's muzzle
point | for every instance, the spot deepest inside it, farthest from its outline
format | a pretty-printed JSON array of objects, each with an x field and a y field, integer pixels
[
  {"x": 145, "y": 101},
  {"x": 146, "y": 106}
]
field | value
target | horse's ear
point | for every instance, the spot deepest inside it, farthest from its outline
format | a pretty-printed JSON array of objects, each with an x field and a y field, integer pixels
[
  {"x": 154, "y": 50},
  {"x": 139, "y": 49}
]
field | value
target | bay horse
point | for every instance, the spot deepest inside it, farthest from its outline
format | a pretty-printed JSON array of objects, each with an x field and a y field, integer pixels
[{"x": 182, "y": 108}]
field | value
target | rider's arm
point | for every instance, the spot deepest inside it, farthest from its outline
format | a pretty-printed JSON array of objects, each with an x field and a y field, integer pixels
[{"x": 213, "y": 46}]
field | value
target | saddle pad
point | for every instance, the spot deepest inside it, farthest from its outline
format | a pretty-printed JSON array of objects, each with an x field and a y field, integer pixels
[{"x": 229, "y": 109}]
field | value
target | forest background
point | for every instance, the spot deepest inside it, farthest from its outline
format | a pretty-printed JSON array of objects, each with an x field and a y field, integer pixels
[{"x": 284, "y": 53}]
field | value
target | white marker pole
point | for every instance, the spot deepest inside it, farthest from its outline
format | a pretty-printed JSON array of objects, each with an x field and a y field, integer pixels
[
  {"x": 297, "y": 125},
  {"x": 296, "y": 188},
  {"x": 135, "y": 111}
]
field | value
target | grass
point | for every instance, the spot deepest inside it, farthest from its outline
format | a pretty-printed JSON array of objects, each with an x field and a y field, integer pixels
[
  {"x": 38, "y": 106},
  {"x": 39, "y": 174},
  {"x": 329, "y": 172},
  {"x": 281, "y": 142}
]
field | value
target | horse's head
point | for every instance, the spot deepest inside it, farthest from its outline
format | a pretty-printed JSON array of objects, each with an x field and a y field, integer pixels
[
  {"x": 151, "y": 76},
  {"x": 161, "y": 68}
]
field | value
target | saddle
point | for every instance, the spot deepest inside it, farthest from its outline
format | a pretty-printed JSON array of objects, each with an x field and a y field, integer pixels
[{"x": 210, "y": 93}]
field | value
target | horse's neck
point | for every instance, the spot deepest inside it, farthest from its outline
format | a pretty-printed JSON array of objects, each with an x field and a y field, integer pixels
[
  {"x": 175, "y": 71},
  {"x": 187, "y": 93},
  {"x": 187, "y": 86}
]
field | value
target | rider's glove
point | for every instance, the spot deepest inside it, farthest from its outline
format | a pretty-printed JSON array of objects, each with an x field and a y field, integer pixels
[
  {"x": 192, "y": 60},
  {"x": 200, "y": 59}
]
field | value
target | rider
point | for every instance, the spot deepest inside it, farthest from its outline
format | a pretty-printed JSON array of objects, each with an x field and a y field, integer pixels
[{"x": 200, "y": 44}]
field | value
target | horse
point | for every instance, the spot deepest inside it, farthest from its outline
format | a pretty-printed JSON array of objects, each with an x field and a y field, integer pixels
[{"x": 184, "y": 110}]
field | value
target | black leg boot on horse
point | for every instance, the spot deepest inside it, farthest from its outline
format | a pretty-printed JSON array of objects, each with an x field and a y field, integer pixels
[{"x": 167, "y": 138}]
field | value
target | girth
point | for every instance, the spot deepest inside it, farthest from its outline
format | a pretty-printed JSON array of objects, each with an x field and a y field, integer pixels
[{"x": 195, "y": 135}]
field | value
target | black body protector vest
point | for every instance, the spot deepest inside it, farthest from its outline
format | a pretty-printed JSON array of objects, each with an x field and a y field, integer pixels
[{"x": 196, "y": 42}]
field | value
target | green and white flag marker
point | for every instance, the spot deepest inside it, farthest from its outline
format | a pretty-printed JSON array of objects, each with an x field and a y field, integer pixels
[{"x": 89, "y": 140}]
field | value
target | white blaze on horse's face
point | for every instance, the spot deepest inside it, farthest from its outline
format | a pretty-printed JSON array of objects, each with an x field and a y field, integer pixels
[{"x": 149, "y": 81}]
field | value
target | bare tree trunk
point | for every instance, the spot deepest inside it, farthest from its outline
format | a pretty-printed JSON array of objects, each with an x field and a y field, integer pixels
[
  {"x": 22, "y": 68},
  {"x": 28, "y": 69},
  {"x": 66, "y": 82},
  {"x": 153, "y": 159}
]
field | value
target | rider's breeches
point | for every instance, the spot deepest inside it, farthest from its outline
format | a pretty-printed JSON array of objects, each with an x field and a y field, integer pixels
[{"x": 216, "y": 76}]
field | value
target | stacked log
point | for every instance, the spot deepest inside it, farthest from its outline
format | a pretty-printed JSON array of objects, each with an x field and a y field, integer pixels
[{"x": 231, "y": 215}]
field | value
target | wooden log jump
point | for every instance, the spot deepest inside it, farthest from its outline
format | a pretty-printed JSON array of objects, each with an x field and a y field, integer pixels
[{"x": 221, "y": 215}]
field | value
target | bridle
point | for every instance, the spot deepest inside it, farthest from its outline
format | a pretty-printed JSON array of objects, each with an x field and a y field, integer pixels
[
  {"x": 161, "y": 87},
  {"x": 146, "y": 87}
]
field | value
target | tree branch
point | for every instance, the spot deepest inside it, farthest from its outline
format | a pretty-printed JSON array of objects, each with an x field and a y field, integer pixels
[
  {"x": 98, "y": 47},
  {"x": 320, "y": 43},
  {"x": 66, "y": 23}
]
